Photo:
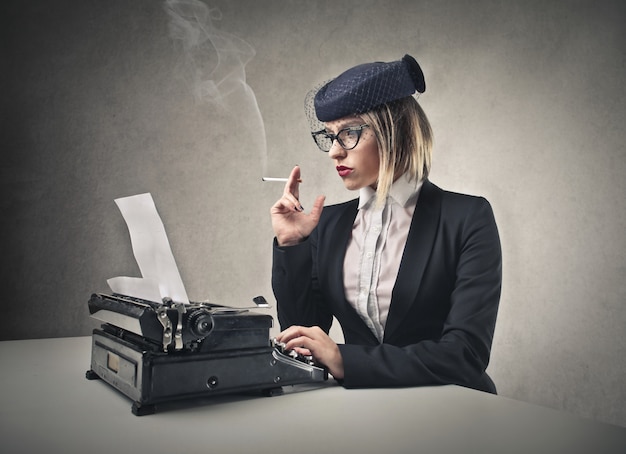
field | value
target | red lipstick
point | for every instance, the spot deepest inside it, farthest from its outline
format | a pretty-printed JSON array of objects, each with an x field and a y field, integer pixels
[{"x": 343, "y": 171}]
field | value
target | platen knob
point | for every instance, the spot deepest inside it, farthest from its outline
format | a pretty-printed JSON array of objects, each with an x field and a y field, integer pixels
[{"x": 200, "y": 323}]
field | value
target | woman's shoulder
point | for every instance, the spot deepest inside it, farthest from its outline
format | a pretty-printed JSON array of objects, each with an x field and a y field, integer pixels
[
  {"x": 457, "y": 205},
  {"x": 453, "y": 197},
  {"x": 341, "y": 206},
  {"x": 336, "y": 210}
]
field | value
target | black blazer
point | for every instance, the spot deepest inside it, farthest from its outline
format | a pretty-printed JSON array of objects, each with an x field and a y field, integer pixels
[{"x": 444, "y": 304}]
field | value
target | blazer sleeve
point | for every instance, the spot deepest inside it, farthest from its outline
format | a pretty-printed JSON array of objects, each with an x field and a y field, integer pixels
[
  {"x": 296, "y": 287},
  {"x": 460, "y": 354}
]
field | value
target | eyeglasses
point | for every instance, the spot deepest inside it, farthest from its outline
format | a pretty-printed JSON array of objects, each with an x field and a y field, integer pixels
[{"x": 348, "y": 138}]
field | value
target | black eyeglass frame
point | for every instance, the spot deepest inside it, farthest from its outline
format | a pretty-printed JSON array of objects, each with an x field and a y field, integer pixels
[{"x": 333, "y": 137}]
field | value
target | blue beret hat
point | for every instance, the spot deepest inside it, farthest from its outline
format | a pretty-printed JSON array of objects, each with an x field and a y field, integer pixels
[{"x": 364, "y": 87}]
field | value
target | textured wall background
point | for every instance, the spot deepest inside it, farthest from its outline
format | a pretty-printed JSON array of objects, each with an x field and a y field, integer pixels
[{"x": 526, "y": 101}]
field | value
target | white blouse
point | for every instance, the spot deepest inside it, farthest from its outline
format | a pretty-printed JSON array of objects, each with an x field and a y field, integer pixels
[{"x": 375, "y": 251}]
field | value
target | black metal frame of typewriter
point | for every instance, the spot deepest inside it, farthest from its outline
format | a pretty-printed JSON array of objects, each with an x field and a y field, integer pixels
[{"x": 211, "y": 350}]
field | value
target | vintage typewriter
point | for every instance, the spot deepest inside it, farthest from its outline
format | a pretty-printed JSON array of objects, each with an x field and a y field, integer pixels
[{"x": 161, "y": 352}]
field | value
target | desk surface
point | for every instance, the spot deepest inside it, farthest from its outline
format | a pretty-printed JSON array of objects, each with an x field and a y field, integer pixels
[{"x": 47, "y": 405}]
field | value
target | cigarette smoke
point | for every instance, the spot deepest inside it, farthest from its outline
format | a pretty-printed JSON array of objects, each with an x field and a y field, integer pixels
[{"x": 214, "y": 65}]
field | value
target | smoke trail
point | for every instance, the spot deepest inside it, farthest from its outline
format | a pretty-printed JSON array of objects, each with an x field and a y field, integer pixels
[{"x": 214, "y": 64}]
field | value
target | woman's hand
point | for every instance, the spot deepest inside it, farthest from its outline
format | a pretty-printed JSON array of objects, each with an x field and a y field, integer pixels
[
  {"x": 291, "y": 225},
  {"x": 313, "y": 341}
]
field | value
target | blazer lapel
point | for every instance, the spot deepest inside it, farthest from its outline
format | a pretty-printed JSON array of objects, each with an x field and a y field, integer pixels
[
  {"x": 336, "y": 250},
  {"x": 415, "y": 257}
]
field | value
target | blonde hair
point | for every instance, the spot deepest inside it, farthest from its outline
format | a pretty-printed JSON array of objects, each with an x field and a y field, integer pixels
[{"x": 405, "y": 142}]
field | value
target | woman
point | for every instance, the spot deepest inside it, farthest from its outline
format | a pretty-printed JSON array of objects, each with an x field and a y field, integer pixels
[{"x": 411, "y": 272}]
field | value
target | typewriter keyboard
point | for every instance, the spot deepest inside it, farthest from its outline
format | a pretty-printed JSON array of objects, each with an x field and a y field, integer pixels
[{"x": 280, "y": 346}]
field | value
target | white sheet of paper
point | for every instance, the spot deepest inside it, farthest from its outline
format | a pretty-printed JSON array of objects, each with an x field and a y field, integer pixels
[{"x": 153, "y": 253}]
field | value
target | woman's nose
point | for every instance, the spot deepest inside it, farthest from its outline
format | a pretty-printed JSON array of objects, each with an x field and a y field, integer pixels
[{"x": 336, "y": 151}]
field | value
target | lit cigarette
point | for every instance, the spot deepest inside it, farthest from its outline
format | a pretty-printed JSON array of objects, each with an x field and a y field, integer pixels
[{"x": 280, "y": 180}]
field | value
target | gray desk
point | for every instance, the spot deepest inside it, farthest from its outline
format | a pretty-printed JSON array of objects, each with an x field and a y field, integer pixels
[{"x": 46, "y": 405}]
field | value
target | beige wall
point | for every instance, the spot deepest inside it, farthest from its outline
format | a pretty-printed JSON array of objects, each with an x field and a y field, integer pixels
[{"x": 525, "y": 97}]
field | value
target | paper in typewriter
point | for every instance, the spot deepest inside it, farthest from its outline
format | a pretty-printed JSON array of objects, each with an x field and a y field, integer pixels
[{"x": 152, "y": 252}]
